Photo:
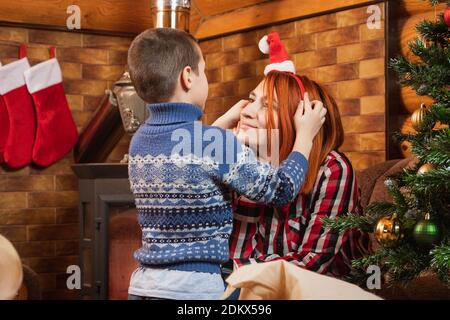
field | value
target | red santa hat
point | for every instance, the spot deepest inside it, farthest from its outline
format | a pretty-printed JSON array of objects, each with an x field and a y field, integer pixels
[{"x": 279, "y": 58}]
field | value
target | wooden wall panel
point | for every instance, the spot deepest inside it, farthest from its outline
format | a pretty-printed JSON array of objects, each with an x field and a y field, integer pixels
[
  {"x": 209, "y": 18},
  {"x": 336, "y": 49},
  {"x": 268, "y": 13},
  {"x": 106, "y": 15},
  {"x": 39, "y": 206},
  {"x": 213, "y": 7}
]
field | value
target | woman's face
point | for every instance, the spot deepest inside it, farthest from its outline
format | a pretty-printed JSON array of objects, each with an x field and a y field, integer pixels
[{"x": 251, "y": 129}]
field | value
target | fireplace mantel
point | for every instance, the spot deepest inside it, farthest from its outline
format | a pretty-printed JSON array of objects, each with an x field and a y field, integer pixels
[{"x": 101, "y": 170}]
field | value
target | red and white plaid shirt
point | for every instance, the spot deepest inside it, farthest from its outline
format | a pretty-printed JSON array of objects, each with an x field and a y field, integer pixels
[{"x": 295, "y": 232}]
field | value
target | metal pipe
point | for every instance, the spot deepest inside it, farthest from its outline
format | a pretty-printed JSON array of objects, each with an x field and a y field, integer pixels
[{"x": 171, "y": 14}]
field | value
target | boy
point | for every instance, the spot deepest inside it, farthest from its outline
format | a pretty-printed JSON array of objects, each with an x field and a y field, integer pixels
[{"x": 183, "y": 198}]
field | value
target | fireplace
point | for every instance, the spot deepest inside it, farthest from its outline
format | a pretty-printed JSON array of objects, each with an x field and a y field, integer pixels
[{"x": 109, "y": 231}]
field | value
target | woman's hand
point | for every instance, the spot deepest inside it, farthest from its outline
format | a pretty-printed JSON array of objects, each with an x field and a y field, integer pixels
[
  {"x": 231, "y": 117},
  {"x": 309, "y": 117},
  {"x": 244, "y": 199}
]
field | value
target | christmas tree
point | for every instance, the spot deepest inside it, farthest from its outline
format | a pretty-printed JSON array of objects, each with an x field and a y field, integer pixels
[{"x": 413, "y": 232}]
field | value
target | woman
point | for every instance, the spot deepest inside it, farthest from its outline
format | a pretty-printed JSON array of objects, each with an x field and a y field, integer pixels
[{"x": 295, "y": 232}]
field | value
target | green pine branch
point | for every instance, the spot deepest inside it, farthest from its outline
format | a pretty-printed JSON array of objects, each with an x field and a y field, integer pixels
[
  {"x": 430, "y": 53},
  {"x": 441, "y": 111},
  {"x": 441, "y": 257},
  {"x": 365, "y": 223},
  {"x": 401, "y": 263},
  {"x": 426, "y": 79},
  {"x": 431, "y": 75},
  {"x": 437, "y": 152},
  {"x": 436, "y": 2},
  {"x": 350, "y": 221},
  {"x": 433, "y": 148},
  {"x": 433, "y": 182},
  {"x": 436, "y": 32},
  {"x": 375, "y": 259},
  {"x": 415, "y": 194},
  {"x": 405, "y": 262},
  {"x": 393, "y": 188},
  {"x": 440, "y": 262}
]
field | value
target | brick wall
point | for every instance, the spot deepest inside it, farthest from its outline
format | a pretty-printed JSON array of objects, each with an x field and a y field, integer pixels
[
  {"x": 38, "y": 207},
  {"x": 337, "y": 50}
]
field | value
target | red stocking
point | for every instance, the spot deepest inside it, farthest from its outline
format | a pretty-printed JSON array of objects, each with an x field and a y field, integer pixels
[
  {"x": 19, "y": 105},
  {"x": 56, "y": 130},
  {"x": 4, "y": 127}
]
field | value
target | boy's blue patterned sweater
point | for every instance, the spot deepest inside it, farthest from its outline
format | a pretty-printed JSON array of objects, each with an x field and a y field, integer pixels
[{"x": 183, "y": 196}]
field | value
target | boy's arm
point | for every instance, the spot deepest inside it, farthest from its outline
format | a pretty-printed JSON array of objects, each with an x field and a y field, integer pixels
[
  {"x": 231, "y": 117},
  {"x": 262, "y": 183}
]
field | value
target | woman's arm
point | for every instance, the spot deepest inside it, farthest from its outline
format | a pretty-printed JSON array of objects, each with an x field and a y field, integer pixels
[
  {"x": 336, "y": 194},
  {"x": 258, "y": 229},
  {"x": 245, "y": 238}
]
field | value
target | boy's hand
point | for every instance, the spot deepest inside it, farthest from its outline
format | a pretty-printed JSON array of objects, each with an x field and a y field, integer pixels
[
  {"x": 234, "y": 113},
  {"x": 231, "y": 117},
  {"x": 309, "y": 118}
]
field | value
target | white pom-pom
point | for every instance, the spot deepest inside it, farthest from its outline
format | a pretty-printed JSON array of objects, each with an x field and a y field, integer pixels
[{"x": 264, "y": 45}]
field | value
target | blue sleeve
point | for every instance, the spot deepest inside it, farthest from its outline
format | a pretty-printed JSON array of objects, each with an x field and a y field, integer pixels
[{"x": 262, "y": 183}]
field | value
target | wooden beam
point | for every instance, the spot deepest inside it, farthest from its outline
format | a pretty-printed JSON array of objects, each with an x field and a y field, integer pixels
[
  {"x": 122, "y": 16},
  {"x": 210, "y": 8},
  {"x": 414, "y": 7},
  {"x": 268, "y": 13},
  {"x": 132, "y": 17}
]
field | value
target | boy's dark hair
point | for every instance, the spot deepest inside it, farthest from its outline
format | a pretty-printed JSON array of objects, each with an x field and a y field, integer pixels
[{"x": 156, "y": 58}]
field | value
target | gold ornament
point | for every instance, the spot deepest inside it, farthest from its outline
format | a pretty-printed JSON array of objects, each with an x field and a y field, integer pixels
[
  {"x": 406, "y": 149},
  {"x": 427, "y": 167},
  {"x": 418, "y": 116},
  {"x": 388, "y": 230},
  {"x": 426, "y": 43}
]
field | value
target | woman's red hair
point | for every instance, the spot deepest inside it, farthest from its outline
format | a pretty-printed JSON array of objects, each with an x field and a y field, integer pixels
[{"x": 288, "y": 95}]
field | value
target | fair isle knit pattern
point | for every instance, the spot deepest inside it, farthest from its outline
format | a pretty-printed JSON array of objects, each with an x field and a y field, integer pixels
[{"x": 183, "y": 200}]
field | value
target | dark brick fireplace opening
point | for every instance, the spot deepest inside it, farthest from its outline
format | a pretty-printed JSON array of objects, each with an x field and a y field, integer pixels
[
  {"x": 109, "y": 231},
  {"x": 124, "y": 238}
]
